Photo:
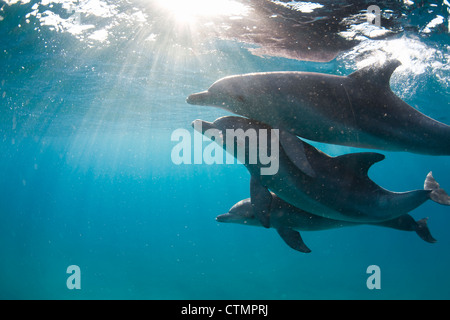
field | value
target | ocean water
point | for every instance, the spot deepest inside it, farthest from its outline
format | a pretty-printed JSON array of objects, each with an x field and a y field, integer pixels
[{"x": 90, "y": 94}]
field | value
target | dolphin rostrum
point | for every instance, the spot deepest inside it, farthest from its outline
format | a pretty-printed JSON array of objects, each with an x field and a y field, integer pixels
[
  {"x": 359, "y": 110},
  {"x": 288, "y": 220},
  {"x": 335, "y": 187}
]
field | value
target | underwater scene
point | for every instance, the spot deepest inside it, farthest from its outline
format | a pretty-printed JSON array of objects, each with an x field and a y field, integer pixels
[{"x": 224, "y": 149}]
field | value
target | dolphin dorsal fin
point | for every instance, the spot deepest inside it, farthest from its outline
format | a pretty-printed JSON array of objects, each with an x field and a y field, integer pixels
[
  {"x": 360, "y": 163},
  {"x": 295, "y": 150},
  {"x": 379, "y": 75}
]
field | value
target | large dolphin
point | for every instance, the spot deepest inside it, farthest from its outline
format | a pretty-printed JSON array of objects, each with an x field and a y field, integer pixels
[
  {"x": 288, "y": 220},
  {"x": 358, "y": 110},
  {"x": 332, "y": 187}
]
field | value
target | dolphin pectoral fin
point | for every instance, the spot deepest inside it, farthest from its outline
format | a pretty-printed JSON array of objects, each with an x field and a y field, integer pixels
[
  {"x": 437, "y": 193},
  {"x": 261, "y": 200},
  {"x": 295, "y": 150},
  {"x": 360, "y": 163},
  {"x": 423, "y": 232},
  {"x": 293, "y": 239}
]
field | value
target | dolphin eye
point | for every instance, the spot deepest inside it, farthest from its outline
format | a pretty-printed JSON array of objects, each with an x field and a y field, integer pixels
[{"x": 240, "y": 98}]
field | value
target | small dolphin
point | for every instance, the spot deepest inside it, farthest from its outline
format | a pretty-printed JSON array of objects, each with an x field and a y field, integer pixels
[
  {"x": 332, "y": 187},
  {"x": 359, "y": 110},
  {"x": 288, "y": 220}
]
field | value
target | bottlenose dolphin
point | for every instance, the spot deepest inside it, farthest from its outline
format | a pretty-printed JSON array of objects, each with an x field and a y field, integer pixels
[
  {"x": 358, "y": 110},
  {"x": 288, "y": 220},
  {"x": 337, "y": 188}
]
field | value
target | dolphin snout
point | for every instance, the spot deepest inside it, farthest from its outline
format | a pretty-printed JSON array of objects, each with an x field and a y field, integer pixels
[
  {"x": 202, "y": 126},
  {"x": 197, "y": 124},
  {"x": 223, "y": 217},
  {"x": 199, "y": 99}
]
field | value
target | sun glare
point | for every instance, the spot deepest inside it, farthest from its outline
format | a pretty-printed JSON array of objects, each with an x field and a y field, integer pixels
[{"x": 188, "y": 11}]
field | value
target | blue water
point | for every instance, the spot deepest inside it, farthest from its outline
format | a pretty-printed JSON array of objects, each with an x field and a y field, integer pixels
[{"x": 87, "y": 177}]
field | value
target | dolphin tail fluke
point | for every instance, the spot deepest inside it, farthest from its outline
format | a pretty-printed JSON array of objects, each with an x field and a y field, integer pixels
[
  {"x": 437, "y": 193},
  {"x": 423, "y": 231},
  {"x": 407, "y": 223},
  {"x": 293, "y": 239}
]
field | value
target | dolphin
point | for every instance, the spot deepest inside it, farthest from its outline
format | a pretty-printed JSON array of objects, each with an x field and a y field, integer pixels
[
  {"x": 333, "y": 187},
  {"x": 288, "y": 220},
  {"x": 359, "y": 110}
]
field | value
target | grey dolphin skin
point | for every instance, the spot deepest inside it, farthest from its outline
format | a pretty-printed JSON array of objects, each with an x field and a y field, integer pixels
[
  {"x": 288, "y": 220},
  {"x": 339, "y": 187},
  {"x": 359, "y": 110}
]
